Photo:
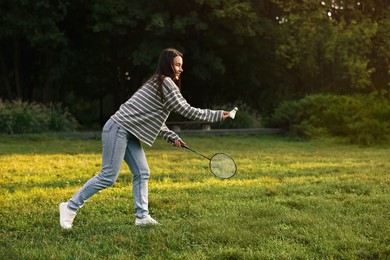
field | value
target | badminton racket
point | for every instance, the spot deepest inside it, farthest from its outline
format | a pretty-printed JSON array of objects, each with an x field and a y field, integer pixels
[{"x": 221, "y": 165}]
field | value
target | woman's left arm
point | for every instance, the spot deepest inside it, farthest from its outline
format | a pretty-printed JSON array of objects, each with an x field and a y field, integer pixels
[{"x": 174, "y": 101}]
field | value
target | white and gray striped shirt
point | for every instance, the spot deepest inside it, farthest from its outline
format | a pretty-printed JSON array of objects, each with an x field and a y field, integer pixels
[{"x": 144, "y": 114}]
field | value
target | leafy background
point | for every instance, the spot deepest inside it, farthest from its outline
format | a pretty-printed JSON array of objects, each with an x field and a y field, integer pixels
[{"x": 90, "y": 56}]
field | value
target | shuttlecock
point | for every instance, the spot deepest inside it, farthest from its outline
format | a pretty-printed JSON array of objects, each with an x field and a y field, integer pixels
[{"x": 232, "y": 113}]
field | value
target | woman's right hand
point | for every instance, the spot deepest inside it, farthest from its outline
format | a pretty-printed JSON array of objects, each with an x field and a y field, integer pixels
[{"x": 179, "y": 143}]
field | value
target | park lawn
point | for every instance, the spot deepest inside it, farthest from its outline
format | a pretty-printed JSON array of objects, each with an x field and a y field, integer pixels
[{"x": 290, "y": 199}]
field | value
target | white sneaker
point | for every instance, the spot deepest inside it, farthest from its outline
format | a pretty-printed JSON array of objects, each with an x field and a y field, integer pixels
[
  {"x": 145, "y": 221},
  {"x": 66, "y": 216}
]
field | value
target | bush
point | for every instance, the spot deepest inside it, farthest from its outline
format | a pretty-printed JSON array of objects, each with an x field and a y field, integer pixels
[
  {"x": 22, "y": 117},
  {"x": 361, "y": 119},
  {"x": 245, "y": 117},
  {"x": 60, "y": 119}
]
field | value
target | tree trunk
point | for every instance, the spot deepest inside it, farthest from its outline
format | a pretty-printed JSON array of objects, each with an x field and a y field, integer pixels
[
  {"x": 17, "y": 69},
  {"x": 4, "y": 72}
]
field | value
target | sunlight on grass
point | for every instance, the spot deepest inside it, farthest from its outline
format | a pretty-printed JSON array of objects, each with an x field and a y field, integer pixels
[{"x": 289, "y": 199}]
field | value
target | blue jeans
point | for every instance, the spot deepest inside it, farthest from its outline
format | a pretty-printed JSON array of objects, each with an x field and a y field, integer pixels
[{"x": 118, "y": 145}]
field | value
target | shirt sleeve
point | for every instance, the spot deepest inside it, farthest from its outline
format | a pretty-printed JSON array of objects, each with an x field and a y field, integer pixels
[
  {"x": 175, "y": 102},
  {"x": 167, "y": 134}
]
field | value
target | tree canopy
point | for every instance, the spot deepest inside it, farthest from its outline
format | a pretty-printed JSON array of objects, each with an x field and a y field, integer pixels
[{"x": 93, "y": 55}]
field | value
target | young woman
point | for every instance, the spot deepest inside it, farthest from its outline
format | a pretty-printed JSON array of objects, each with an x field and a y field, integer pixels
[{"x": 141, "y": 118}]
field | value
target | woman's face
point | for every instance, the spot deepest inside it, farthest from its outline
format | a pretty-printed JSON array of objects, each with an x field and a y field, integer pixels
[{"x": 177, "y": 66}]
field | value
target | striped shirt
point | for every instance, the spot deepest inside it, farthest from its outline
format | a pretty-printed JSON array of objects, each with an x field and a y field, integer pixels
[{"x": 144, "y": 114}]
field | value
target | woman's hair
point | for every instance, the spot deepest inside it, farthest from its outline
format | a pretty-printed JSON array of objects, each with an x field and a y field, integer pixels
[{"x": 165, "y": 69}]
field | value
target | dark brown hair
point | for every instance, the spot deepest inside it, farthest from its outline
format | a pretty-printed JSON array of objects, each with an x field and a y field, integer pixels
[{"x": 165, "y": 69}]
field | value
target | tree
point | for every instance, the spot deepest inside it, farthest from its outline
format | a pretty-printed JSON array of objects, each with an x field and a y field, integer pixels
[
  {"x": 93, "y": 55},
  {"x": 332, "y": 45},
  {"x": 211, "y": 34},
  {"x": 32, "y": 45}
]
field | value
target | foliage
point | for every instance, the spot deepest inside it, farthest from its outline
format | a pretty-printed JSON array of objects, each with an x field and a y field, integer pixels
[
  {"x": 33, "y": 48},
  {"x": 262, "y": 52},
  {"x": 361, "y": 119},
  {"x": 326, "y": 48},
  {"x": 246, "y": 117},
  {"x": 60, "y": 119},
  {"x": 22, "y": 117},
  {"x": 289, "y": 200}
]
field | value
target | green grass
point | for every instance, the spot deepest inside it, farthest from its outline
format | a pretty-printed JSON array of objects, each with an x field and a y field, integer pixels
[{"x": 302, "y": 200}]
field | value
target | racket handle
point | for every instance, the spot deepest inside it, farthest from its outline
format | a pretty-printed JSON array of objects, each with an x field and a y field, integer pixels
[
  {"x": 188, "y": 148},
  {"x": 173, "y": 142}
]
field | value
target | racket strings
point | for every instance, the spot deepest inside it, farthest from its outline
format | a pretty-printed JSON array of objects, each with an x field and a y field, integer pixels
[{"x": 222, "y": 166}]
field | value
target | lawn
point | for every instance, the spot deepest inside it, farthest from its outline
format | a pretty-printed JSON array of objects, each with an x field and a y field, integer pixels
[{"x": 316, "y": 199}]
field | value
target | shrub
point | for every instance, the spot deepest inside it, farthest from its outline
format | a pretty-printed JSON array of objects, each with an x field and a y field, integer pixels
[
  {"x": 245, "y": 117},
  {"x": 361, "y": 119},
  {"x": 23, "y": 117},
  {"x": 60, "y": 119}
]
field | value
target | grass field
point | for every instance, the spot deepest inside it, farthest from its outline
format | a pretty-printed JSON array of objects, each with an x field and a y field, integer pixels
[{"x": 289, "y": 200}]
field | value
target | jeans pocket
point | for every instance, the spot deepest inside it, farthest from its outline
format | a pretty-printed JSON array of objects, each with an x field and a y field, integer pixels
[
  {"x": 123, "y": 132},
  {"x": 108, "y": 126}
]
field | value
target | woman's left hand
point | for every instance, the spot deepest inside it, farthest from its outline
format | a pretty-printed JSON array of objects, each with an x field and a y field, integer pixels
[{"x": 225, "y": 115}]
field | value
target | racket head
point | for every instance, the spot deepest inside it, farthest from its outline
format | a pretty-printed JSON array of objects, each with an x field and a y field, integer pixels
[{"x": 222, "y": 166}]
